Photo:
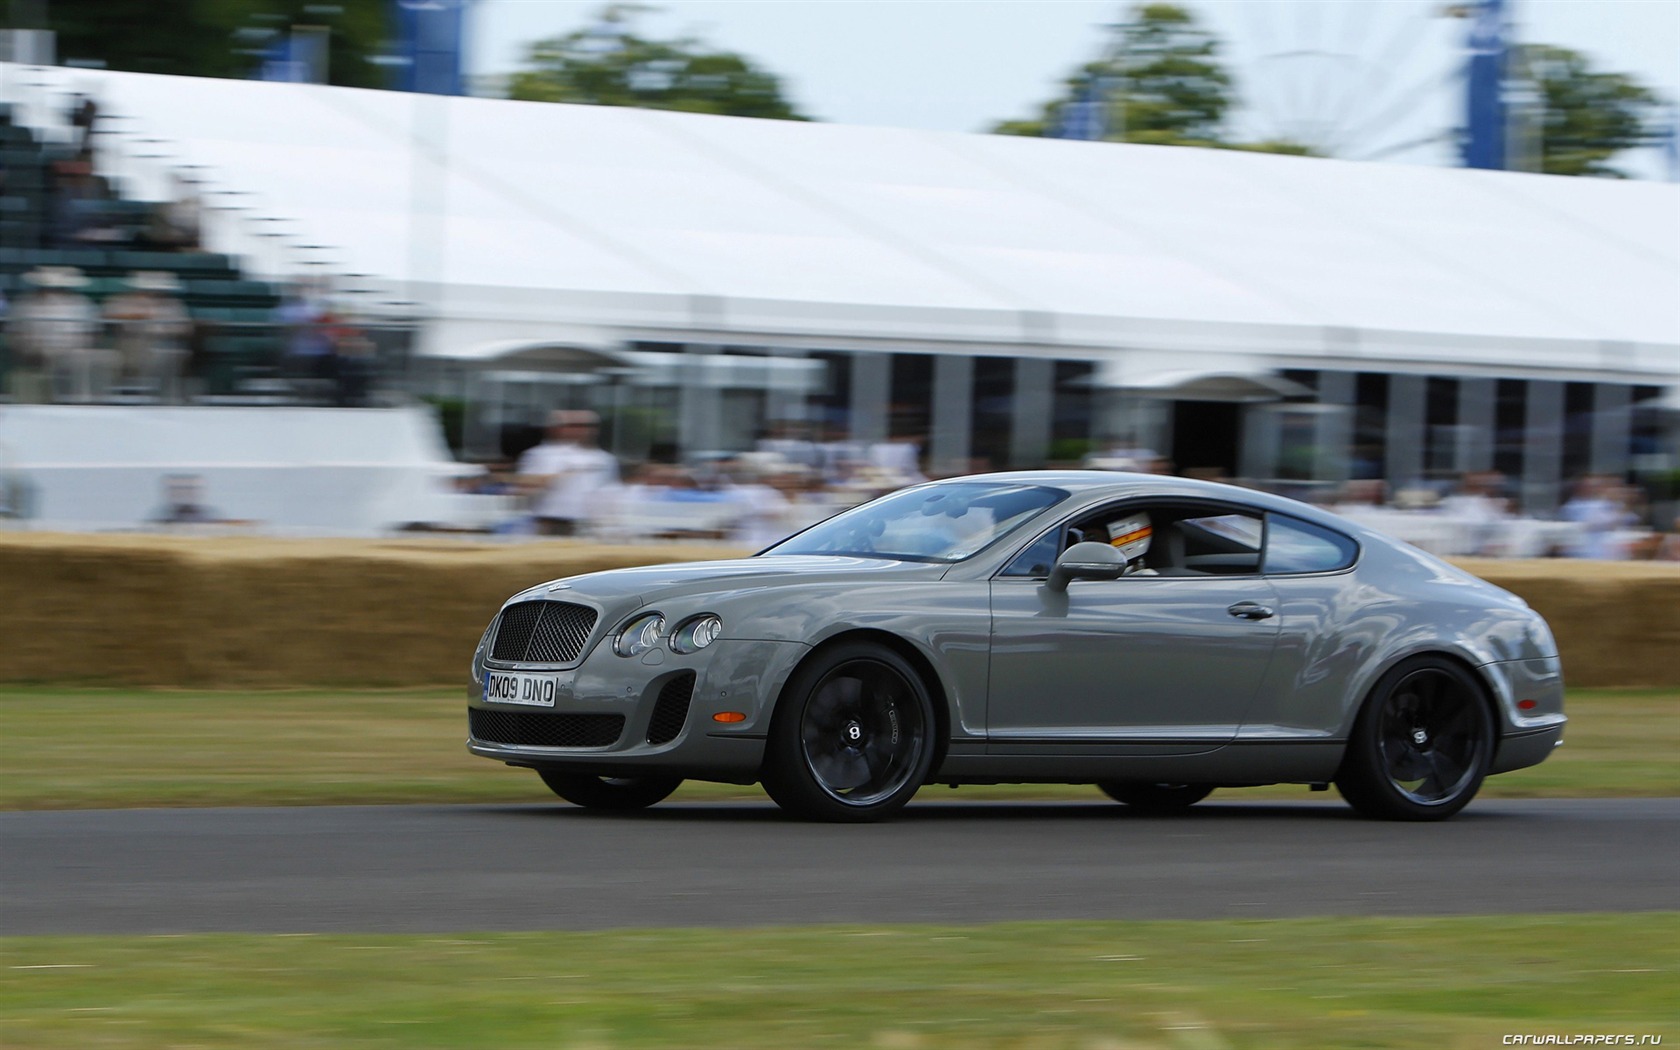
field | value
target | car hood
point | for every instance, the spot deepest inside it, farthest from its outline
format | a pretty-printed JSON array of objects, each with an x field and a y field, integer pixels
[{"x": 664, "y": 582}]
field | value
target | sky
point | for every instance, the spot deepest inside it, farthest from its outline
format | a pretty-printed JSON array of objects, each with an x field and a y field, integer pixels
[{"x": 1368, "y": 79}]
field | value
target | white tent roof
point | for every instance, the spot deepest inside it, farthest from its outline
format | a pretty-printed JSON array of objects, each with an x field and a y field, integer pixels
[{"x": 540, "y": 222}]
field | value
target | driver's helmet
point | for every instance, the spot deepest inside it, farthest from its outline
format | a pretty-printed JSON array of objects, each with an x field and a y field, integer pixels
[{"x": 1130, "y": 536}]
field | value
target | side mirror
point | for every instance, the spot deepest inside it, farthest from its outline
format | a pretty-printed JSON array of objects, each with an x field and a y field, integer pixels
[{"x": 1086, "y": 561}]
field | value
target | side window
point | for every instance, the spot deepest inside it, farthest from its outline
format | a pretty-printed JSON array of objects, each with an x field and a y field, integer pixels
[
  {"x": 1178, "y": 538},
  {"x": 1035, "y": 562},
  {"x": 1294, "y": 546}
]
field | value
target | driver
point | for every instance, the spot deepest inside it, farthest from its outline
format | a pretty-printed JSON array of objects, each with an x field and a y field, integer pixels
[{"x": 1130, "y": 535}]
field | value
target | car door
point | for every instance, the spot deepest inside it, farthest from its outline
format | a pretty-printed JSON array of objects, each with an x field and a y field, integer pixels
[{"x": 1169, "y": 657}]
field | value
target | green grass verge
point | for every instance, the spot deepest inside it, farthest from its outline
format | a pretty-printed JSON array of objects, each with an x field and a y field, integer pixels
[
  {"x": 1463, "y": 982},
  {"x": 82, "y": 748}
]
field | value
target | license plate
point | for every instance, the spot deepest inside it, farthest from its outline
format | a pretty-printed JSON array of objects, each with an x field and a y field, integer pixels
[{"x": 532, "y": 690}]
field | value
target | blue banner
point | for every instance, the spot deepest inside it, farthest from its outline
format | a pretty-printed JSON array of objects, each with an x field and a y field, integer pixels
[
  {"x": 430, "y": 42},
  {"x": 1484, "y": 141}
]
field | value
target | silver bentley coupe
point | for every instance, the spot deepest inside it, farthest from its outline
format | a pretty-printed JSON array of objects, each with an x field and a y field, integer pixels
[{"x": 1154, "y": 636}]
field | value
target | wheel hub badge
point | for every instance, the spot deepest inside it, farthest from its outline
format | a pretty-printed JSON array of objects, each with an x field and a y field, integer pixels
[
  {"x": 853, "y": 733},
  {"x": 1419, "y": 737}
]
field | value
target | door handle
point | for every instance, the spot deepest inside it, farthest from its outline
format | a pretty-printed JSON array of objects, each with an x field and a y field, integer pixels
[{"x": 1251, "y": 611}]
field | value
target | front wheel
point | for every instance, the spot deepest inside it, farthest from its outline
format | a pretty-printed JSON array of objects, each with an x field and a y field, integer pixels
[
  {"x": 1421, "y": 744},
  {"x": 617, "y": 794},
  {"x": 1155, "y": 798},
  {"x": 852, "y": 738}
]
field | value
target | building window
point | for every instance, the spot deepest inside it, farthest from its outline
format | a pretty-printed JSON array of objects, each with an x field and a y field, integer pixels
[
  {"x": 1070, "y": 415},
  {"x": 1510, "y": 414},
  {"x": 1444, "y": 440},
  {"x": 994, "y": 401},
  {"x": 1370, "y": 426}
]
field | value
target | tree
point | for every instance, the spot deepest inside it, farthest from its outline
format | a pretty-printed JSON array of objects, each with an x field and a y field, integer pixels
[
  {"x": 608, "y": 64},
  {"x": 217, "y": 38},
  {"x": 1586, "y": 117},
  {"x": 1160, "y": 82}
]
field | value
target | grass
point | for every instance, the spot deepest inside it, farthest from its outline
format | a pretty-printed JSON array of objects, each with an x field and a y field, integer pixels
[
  {"x": 1461, "y": 982},
  {"x": 85, "y": 748}
]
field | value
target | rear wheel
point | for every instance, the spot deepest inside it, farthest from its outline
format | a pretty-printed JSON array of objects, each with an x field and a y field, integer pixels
[
  {"x": 1155, "y": 798},
  {"x": 1421, "y": 745},
  {"x": 853, "y": 737},
  {"x": 620, "y": 794}
]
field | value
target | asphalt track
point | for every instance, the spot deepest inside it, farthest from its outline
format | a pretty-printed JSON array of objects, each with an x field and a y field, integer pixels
[{"x": 459, "y": 868}]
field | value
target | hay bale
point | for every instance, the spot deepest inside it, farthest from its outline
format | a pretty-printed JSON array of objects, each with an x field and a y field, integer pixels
[
  {"x": 228, "y": 612},
  {"x": 231, "y": 612}
]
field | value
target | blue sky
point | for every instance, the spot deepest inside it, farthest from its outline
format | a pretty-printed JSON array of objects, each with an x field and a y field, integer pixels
[{"x": 1369, "y": 76}]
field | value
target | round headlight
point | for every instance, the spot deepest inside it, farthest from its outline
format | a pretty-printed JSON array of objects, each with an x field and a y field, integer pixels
[
  {"x": 639, "y": 635},
  {"x": 696, "y": 634}
]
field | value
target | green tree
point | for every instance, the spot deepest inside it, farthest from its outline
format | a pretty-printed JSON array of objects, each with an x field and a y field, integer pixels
[
  {"x": 1586, "y": 116},
  {"x": 608, "y": 64},
  {"x": 213, "y": 38},
  {"x": 1160, "y": 82}
]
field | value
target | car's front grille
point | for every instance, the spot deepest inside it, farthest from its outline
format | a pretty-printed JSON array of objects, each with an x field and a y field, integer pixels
[
  {"x": 542, "y": 632},
  {"x": 670, "y": 711},
  {"x": 533, "y": 729}
]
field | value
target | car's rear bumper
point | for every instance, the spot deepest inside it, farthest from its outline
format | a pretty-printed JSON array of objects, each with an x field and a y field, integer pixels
[{"x": 1528, "y": 747}]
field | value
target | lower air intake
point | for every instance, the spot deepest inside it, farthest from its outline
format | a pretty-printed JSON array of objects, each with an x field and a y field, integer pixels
[{"x": 530, "y": 729}]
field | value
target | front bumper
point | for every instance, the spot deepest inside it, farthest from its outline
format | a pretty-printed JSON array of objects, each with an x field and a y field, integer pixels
[{"x": 740, "y": 676}]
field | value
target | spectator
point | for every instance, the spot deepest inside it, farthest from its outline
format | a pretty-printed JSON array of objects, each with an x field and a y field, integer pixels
[
  {"x": 83, "y": 115},
  {"x": 151, "y": 329},
  {"x": 566, "y": 472},
  {"x": 1481, "y": 505},
  {"x": 309, "y": 349},
  {"x": 175, "y": 226},
  {"x": 183, "y": 502},
  {"x": 1598, "y": 508},
  {"x": 53, "y": 332}
]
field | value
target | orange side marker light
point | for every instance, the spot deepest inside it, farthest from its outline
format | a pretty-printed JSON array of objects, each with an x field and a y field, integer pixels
[{"x": 730, "y": 716}]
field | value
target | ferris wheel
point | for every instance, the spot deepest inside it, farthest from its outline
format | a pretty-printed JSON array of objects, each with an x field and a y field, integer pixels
[{"x": 1356, "y": 79}]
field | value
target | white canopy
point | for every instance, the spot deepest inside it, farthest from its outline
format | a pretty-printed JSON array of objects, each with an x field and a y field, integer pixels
[{"x": 515, "y": 222}]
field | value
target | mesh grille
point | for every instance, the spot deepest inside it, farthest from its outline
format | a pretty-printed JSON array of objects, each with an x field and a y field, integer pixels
[
  {"x": 542, "y": 632},
  {"x": 670, "y": 711},
  {"x": 531, "y": 729}
]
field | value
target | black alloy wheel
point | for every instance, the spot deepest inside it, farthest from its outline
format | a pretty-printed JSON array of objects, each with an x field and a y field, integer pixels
[
  {"x": 1155, "y": 798},
  {"x": 852, "y": 738},
  {"x": 616, "y": 794},
  {"x": 1421, "y": 745}
]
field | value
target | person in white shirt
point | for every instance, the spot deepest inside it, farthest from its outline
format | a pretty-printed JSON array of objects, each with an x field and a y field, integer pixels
[{"x": 566, "y": 472}]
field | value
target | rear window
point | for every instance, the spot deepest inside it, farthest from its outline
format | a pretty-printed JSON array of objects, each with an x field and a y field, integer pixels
[{"x": 1294, "y": 546}]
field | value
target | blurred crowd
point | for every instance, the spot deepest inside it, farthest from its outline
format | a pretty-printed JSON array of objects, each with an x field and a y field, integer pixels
[
  {"x": 569, "y": 486},
  {"x": 141, "y": 343},
  {"x": 1604, "y": 518}
]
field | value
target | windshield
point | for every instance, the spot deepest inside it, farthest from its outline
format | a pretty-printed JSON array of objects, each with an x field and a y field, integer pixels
[{"x": 939, "y": 523}]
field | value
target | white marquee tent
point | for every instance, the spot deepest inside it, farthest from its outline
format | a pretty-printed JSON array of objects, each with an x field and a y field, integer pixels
[{"x": 516, "y": 223}]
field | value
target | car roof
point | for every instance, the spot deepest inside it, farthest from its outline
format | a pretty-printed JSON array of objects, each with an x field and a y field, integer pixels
[{"x": 1091, "y": 486}]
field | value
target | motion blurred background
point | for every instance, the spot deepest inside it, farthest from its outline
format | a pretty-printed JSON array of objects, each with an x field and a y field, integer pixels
[{"x": 329, "y": 268}]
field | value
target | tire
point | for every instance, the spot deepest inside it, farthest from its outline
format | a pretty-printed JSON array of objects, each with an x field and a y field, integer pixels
[
  {"x": 852, "y": 738},
  {"x": 1155, "y": 798},
  {"x": 615, "y": 794},
  {"x": 1421, "y": 745}
]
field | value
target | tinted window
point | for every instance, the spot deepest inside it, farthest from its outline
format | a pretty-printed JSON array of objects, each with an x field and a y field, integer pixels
[
  {"x": 1294, "y": 546},
  {"x": 943, "y": 522}
]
